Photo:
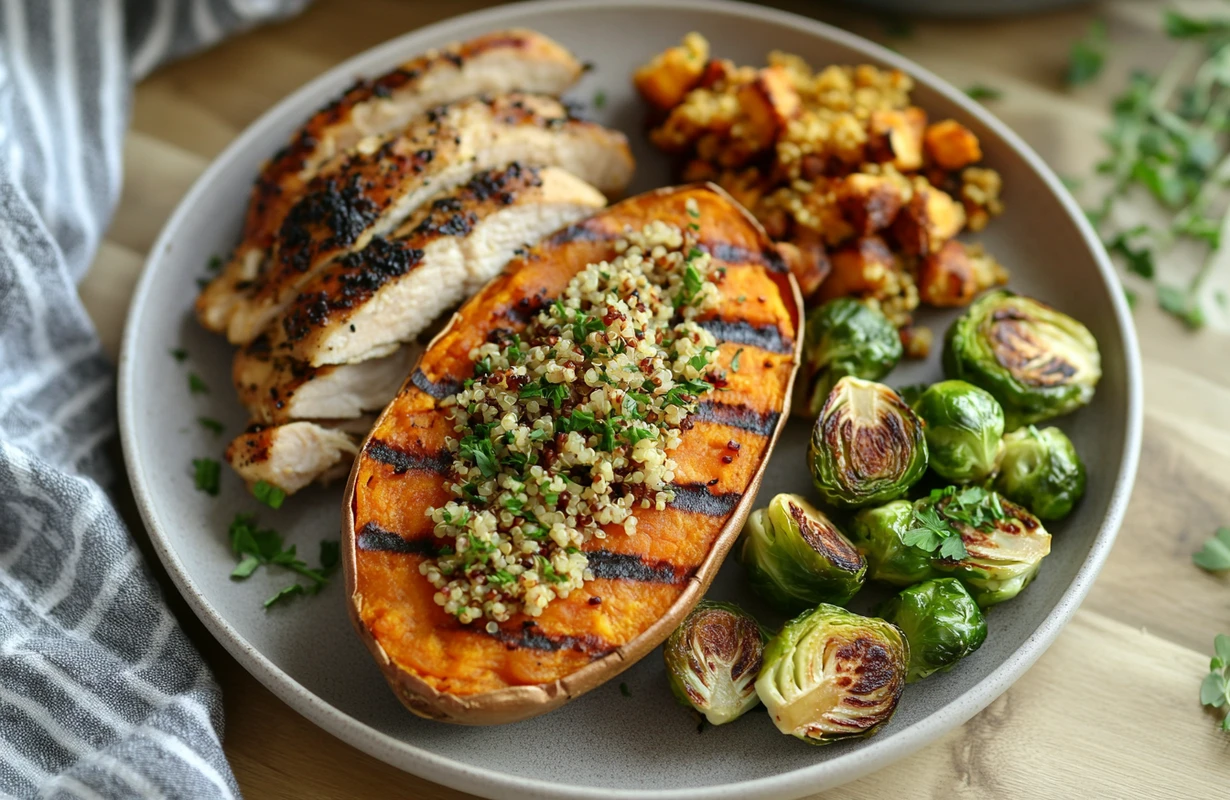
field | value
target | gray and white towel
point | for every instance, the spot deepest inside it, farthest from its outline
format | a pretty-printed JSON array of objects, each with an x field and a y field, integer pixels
[{"x": 101, "y": 694}]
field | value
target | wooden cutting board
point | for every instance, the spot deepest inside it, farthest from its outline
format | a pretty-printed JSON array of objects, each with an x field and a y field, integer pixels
[{"x": 1111, "y": 710}]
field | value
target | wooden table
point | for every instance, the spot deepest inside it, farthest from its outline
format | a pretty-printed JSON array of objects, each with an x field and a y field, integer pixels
[{"x": 1111, "y": 710}]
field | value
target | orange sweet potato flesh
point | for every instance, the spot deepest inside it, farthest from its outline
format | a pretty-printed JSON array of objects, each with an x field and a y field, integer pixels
[{"x": 644, "y": 583}]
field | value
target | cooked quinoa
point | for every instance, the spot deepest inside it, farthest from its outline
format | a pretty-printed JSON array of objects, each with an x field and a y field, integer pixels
[{"x": 566, "y": 428}]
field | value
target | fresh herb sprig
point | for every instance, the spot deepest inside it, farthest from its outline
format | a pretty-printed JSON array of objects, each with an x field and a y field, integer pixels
[
  {"x": 1171, "y": 139},
  {"x": 1215, "y": 689},
  {"x": 1214, "y": 556},
  {"x": 1088, "y": 55},
  {"x": 255, "y": 547},
  {"x": 934, "y": 529}
]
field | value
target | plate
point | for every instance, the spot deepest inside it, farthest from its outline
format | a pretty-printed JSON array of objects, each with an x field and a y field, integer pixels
[{"x": 605, "y": 744}]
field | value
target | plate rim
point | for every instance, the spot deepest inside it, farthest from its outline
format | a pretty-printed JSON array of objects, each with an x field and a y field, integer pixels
[{"x": 491, "y": 783}]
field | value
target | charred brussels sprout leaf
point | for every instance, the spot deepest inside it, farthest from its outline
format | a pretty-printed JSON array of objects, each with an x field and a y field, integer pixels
[
  {"x": 845, "y": 337},
  {"x": 712, "y": 660},
  {"x": 1041, "y": 470},
  {"x": 831, "y": 674},
  {"x": 878, "y": 532},
  {"x": 964, "y": 425},
  {"x": 1036, "y": 361},
  {"x": 867, "y": 446},
  {"x": 1003, "y": 553},
  {"x": 940, "y": 620},
  {"x": 796, "y": 557}
]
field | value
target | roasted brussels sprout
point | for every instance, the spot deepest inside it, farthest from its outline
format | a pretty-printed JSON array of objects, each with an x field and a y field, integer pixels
[
  {"x": 877, "y": 533},
  {"x": 964, "y": 425},
  {"x": 867, "y": 446},
  {"x": 1036, "y": 361},
  {"x": 1041, "y": 470},
  {"x": 712, "y": 660},
  {"x": 796, "y": 557},
  {"x": 832, "y": 674},
  {"x": 845, "y": 337},
  {"x": 1003, "y": 550},
  {"x": 941, "y": 622}
]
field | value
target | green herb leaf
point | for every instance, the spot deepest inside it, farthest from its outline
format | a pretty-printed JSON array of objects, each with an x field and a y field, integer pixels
[
  {"x": 624, "y": 690},
  {"x": 599, "y": 99},
  {"x": 1214, "y": 556},
  {"x": 734, "y": 361},
  {"x": 207, "y": 475},
  {"x": 284, "y": 594},
  {"x": 1181, "y": 26},
  {"x": 179, "y": 354},
  {"x": 245, "y": 567},
  {"x": 212, "y": 425},
  {"x": 1181, "y": 305},
  {"x": 980, "y": 92},
  {"x": 1088, "y": 55},
  {"x": 1215, "y": 688},
  {"x": 268, "y": 494},
  {"x": 196, "y": 385}
]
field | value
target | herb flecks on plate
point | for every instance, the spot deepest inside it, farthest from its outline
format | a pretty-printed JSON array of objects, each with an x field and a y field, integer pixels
[{"x": 256, "y": 547}]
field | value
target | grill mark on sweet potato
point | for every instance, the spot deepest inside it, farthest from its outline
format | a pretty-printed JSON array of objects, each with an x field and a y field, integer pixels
[
  {"x": 446, "y": 387},
  {"x": 374, "y": 538},
  {"x": 766, "y": 337},
  {"x": 734, "y": 254},
  {"x": 404, "y": 461},
  {"x": 737, "y": 416},
  {"x": 630, "y": 567},
  {"x": 531, "y": 637},
  {"x": 696, "y": 499}
]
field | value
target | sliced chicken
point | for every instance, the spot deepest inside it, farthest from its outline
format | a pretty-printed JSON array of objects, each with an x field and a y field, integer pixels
[
  {"x": 375, "y": 192},
  {"x": 279, "y": 389},
  {"x": 495, "y": 63},
  {"x": 291, "y": 456},
  {"x": 361, "y": 305}
]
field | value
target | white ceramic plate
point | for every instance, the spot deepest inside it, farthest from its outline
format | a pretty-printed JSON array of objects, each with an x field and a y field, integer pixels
[{"x": 605, "y": 744}]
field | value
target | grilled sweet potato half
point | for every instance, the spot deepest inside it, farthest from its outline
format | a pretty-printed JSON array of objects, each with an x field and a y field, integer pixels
[{"x": 644, "y": 582}]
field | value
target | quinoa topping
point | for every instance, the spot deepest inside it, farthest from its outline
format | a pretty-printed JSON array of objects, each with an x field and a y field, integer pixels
[{"x": 565, "y": 429}]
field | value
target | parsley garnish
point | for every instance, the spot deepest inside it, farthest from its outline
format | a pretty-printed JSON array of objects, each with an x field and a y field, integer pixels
[
  {"x": 1088, "y": 55},
  {"x": 179, "y": 354},
  {"x": 1215, "y": 554},
  {"x": 257, "y": 547},
  {"x": 982, "y": 92},
  {"x": 734, "y": 362},
  {"x": 1215, "y": 689},
  {"x": 599, "y": 99},
  {"x": 196, "y": 385},
  {"x": 207, "y": 475},
  {"x": 212, "y": 425},
  {"x": 268, "y": 494},
  {"x": 624, "y": 690},
  {"x": 971, "y": 506}
]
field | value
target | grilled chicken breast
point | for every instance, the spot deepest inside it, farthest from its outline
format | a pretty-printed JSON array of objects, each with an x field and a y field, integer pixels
[
  {"x": 495, "y": 63},
  {"x": 279, "y": 389},
  {"x": 376, "y": 191},
  {"x": 387, "y": 293},
  {"x": 291, "y": 456}
]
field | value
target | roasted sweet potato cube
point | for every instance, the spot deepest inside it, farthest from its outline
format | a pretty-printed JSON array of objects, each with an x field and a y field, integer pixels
[
  {"x": 667, "y": 79},
  {"x": 868, "y": 202},
  {"x": 767, "y": 103},
  {"x": 863, "y": 267},
  {"x": 716, "y": 71},
  {"x": 951, "y": 146},
  {"x": 747, "y": 186},
  {"x": 896, "y": 137},
  {"x": 930, "y": 218},
  {"x": 955, "y": 274},
  {"x": 808, "y": 260}
]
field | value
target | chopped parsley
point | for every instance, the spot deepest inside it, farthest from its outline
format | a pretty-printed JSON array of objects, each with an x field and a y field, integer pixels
[
  {"x": 256, "y": 547},
  {"x": 207, "y": 474},
  {"x": 179, "y": 354},
  {"x": 196, "y": 385},
  {"x": 268, "y": 494},
  {"x": 212, "y": 425}
]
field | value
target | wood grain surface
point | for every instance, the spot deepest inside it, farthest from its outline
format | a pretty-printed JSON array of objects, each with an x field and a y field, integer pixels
[{"x": 1111, "y": 710}]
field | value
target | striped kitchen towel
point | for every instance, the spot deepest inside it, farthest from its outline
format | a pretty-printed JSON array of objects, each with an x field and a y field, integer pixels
[{"x": 101, "y": 694}]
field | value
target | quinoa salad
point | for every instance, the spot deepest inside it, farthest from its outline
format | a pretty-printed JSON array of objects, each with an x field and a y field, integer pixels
[{"x": 565, "y": 430}]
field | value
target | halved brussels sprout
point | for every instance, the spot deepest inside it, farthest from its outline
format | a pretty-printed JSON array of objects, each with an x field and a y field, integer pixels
[
  {"x": 964, "y": 425},
  {"x": 867, "y": 446},
  {"x": 1042, "y": 471},
  {"x": 1036, "y": 361},
  {"x": 877, "y": 533},
  {"x": 940, "y": 620},
  {"x": 832, "y": 675},
  {"x": 845, "y": 337},
  {"x": 796, "y": 557},
  {"x": 1003, "y": 555},
  {"x": 712, "y": 660}
]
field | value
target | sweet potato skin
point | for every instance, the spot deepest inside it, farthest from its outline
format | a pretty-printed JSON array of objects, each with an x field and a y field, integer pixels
[{"x": 443, "y": 670}]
